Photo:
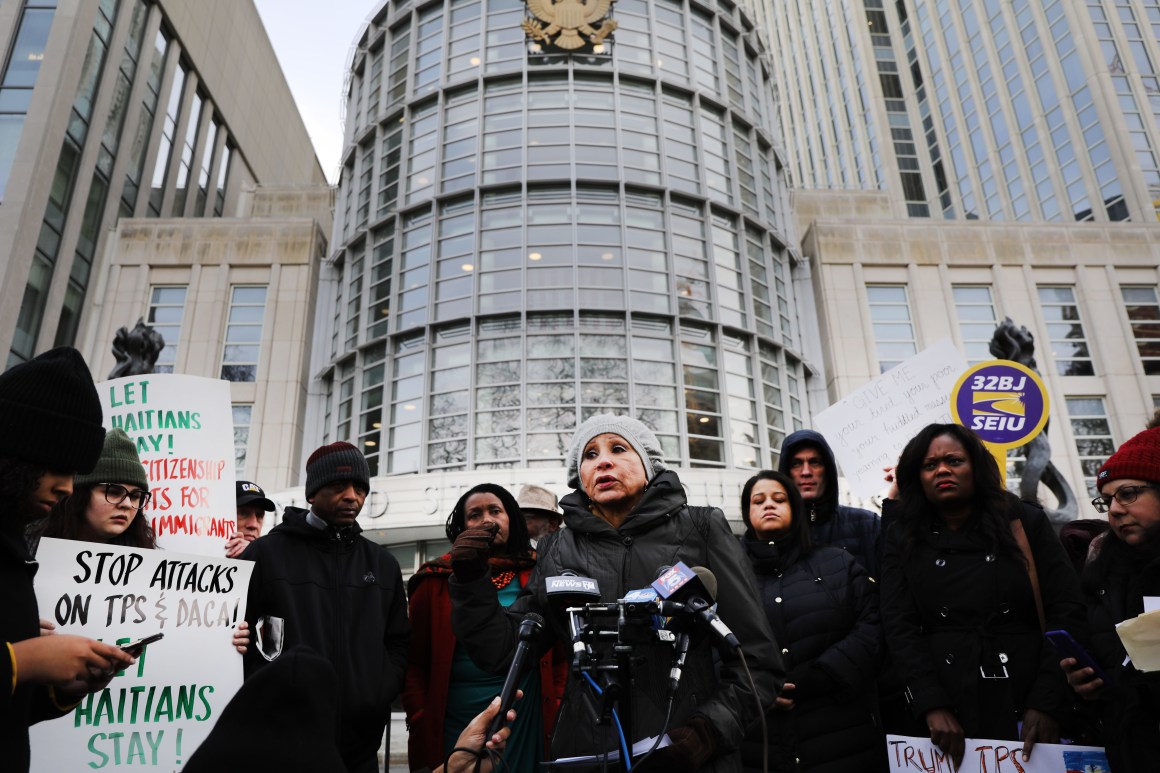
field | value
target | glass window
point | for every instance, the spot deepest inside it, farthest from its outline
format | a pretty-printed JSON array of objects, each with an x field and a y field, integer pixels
[
  {"x": 893, "y": 331},
  {"x": 1143, "y": 310},
  {"x": 977, "y": 320},
  {"x": 166, "y": 310},
  {"x": 243, "y": 418},
  {"x": 1093, "y": 436},
  {"x": 1065, "y": 331}
]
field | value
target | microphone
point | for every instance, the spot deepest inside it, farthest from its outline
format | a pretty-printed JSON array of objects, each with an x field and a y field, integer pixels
[
  {"x": 703, "y": 610},
  {"x": 530, "y": 629},
  {"x": 570, "y": 592},
  {"x": 682, "y": 649}
]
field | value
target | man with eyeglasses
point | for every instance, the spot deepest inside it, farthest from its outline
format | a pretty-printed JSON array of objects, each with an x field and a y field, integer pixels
[
  {"x": 1122, "y": 576},
  {"x": 50, "y": 429}
]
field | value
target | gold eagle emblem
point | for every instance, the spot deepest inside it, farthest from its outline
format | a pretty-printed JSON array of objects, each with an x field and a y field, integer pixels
[{"x": 569, "y": 21}]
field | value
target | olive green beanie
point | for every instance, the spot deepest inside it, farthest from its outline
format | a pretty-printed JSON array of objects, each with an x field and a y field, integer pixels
[{"x": 119, "y": 463}]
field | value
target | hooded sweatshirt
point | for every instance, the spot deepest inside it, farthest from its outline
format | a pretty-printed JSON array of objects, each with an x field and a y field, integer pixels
[{"x": 850, "y": 528}]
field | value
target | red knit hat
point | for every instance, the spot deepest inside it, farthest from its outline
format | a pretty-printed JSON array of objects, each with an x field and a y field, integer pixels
[{"x": 1137, "y": 458}]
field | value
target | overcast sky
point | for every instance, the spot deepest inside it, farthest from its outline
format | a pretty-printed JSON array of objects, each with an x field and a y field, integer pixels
[{"x": 313, "y": 39}]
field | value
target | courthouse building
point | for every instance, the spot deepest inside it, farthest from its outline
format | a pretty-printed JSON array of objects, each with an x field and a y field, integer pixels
[
  {"x": 527, "y": 234},
  {"x": 955, "y": 162},
  {"x": 153, "y": 164}
]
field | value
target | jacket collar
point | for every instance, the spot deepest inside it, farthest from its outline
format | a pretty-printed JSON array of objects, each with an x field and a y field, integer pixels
[{"x": 663, "y": 496}]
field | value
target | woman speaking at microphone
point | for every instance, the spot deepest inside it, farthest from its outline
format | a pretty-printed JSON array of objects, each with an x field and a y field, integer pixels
[{"x": 626, "y": 518}]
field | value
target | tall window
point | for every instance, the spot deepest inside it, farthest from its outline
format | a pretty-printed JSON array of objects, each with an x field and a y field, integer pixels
[
  {"x": 168, "y": 135},
  {"x": 893, "y": 330},
  {"x": 20, "y": 77},
  {"x": 977, "y": 321},
  {"x": 702, "y": 397},
  {"x": 243, "y": 418},
  {"x": 243, "y": 344},
  {"x": 1065, "y": 331},
  {"x": 166, "y": 310},
  {"x": 1143, "y": 310},
  {"x": 1093, "y": 436}
]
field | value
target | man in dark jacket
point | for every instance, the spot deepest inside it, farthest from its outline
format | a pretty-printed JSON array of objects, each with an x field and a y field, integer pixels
[
  {"x": 317, "y": 581},
  {"x": 806, "y": 457},
  {"x": 50, "y": 428}
]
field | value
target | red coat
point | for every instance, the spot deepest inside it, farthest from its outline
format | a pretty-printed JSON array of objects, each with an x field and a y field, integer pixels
[{"x": 429, "y": 671}]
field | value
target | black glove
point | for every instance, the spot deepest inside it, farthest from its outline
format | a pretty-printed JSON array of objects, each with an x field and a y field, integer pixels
[
  {"x": 469, "y": 553},
  {"x": 693, "y": 744}
]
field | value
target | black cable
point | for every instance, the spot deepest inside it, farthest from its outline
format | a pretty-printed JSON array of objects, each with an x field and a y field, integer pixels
[
  {"x": 660, "y": 735},
  {"x": 760, "y": 715},
  {"x": 473, "y": 752}
]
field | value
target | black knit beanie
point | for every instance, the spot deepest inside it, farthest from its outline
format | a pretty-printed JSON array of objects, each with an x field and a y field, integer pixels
[
  {"x": 50, "y": 413},
  {"x": 337, "y": 461}
]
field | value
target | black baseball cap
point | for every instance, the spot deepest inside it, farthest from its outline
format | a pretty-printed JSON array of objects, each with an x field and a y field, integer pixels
[{"x": 252, "y": 494}]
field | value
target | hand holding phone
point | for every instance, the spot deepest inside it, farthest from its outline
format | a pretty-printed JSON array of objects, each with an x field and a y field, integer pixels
[
  {"x": 135, "y": 648},
  {"x": 1068, "y": 647}
]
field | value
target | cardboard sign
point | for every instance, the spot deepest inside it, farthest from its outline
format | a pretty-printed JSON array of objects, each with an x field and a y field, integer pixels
[
  {"x": 984, "y": 756},
  {"x": 151, "y": 716},
  {"x": 869, "y": 427},
  {"x": 184, "y": 430}
]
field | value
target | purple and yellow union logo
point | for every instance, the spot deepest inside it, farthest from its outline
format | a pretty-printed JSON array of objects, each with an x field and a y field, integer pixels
[{"x": 1004, "y": 402}]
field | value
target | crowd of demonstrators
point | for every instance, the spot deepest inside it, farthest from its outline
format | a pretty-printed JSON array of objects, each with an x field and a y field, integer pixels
[
  {"x": 627, "y": 517},
  {"x": 971, "y": 579},
  {"x": 1123, "y": 569},
  {"x": 50, "y": 429},
  {"x": 317, "y": 581},
  {"x": 106, "y": 505},
  {"x": 444, "y": 688},
  {"x": 806, "y": 457},
  {"x": 823, "y": 609}
]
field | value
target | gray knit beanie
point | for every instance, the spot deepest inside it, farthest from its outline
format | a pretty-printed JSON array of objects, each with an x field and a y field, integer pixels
[
  {"x": 119, "y": 463},
  {"x": 336, "y": 462},
  {"x": 640, "y": 437}
]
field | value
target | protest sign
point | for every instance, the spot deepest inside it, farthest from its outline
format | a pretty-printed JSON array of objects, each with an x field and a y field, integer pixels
[
  {"x": 870, "y": 426},
  {"x": 908, "y": 754},
  {"x": 184, "y": 430},
  {"x": 156, "y": 713}
]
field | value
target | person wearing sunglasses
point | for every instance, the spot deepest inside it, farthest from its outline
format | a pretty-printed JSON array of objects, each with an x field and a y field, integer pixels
[
  {"x": 1122, "y": 571},
  {"x": 107, "y": 504}
]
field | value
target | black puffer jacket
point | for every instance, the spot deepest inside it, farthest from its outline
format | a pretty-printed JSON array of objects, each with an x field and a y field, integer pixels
[
  {"x": 955, "y": 604},
  {"x": 661, "y": 531},
  {"x": 850, "y": 528},
  {"x": 823, "y": 610},
  {"x": 1114, "y": 585},
  {"x": 342, "y": 596}
]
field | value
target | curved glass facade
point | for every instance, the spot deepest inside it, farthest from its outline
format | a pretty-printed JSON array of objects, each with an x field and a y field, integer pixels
[{"x": 526, "y": 238}]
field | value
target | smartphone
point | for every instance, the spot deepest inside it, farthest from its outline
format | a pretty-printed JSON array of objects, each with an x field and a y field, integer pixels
[
  {"x": 134, "y": 648},
  {"x": 1068, "y": 647}
]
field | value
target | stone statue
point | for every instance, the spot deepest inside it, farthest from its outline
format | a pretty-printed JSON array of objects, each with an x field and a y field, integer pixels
[
  {"x": 1018, "y": 345},
  {"x": 136, "y": 350}
]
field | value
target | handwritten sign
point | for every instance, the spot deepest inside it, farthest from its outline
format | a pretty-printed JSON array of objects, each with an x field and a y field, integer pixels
[
  {"x": 184, "y": 430},
  {"x": 155, "y": 714},
  {"x": 870, "y": 426},
  {"x": 982, "y": 756}
]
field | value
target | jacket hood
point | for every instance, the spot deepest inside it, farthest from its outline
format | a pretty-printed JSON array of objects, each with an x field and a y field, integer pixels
[
  {"x": 824, "y": 506},
  {"x": 663, "y": 496}
]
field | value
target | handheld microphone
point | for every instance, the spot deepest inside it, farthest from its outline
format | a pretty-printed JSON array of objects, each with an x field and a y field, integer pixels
[
  {"x": 682, "y": 649},
  {"x": 530, "y": 629}
]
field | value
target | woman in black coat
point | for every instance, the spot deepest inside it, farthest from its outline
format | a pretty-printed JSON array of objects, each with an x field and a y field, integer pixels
[
  {"x": 962, "y": 618},
  {"x": 823, "y": 609}
]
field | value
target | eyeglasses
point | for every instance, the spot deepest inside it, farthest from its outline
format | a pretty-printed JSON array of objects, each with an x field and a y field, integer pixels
[
  {"x": 115, "y": 494},
  {"x": 1125, "y": 495}
]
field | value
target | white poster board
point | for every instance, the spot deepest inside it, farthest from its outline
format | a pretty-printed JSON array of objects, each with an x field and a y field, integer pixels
[
  {"x": 983, "y": 756},
  {"x": 870, "y": 426},
  {"x": 155, "y": 714},
  {"x": 184, "y": 430}
]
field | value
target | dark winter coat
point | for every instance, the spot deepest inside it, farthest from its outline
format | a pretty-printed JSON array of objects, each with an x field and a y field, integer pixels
[
  {"x": 850, "y": 528},
  {"x": 823, "y": 610},
  {"x": 1114, "y": 585},
  {"x": 342, "y": 596},
  {"x": 661, "y": 531},
  {"x": 956, "y": 607},
  {"x": 27, "y": 704}
]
